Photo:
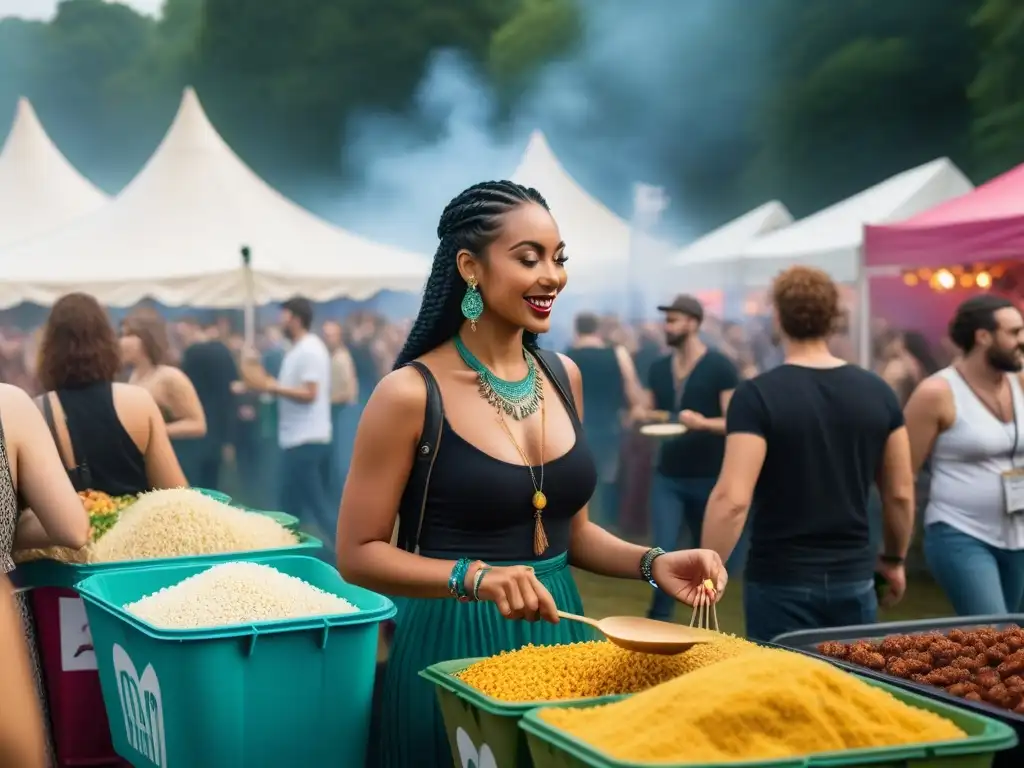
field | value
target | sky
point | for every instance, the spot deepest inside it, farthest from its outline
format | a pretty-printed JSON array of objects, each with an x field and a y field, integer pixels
[{"x": 44, "y": 9}]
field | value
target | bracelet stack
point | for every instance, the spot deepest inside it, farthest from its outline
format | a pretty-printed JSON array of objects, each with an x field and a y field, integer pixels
[
  {"x": 647, "y": 564},
  {"x": 457, "y": 580}
]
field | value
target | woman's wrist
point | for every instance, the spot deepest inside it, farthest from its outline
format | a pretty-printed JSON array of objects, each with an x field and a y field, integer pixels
[
  {"x": 462, "y": 580},
  {"x": 647, "y": 564}
]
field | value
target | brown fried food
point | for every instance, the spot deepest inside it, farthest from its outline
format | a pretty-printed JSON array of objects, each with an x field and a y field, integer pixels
[
  {"x": 973, "y": 696},
  {"x": 834, "y": 650},
  {"x": 1011, "y": 666},
  {"x": 947, "y": 676},
  {"x": 869, "y": 659},
  {"x": 895, "y": 645}
]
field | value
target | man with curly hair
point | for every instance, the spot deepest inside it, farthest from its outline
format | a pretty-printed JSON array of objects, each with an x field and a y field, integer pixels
[{"x": 804, "y": 442}]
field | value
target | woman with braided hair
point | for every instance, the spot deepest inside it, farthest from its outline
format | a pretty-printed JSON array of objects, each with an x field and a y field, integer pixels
[{"x": 474, "y": 444}]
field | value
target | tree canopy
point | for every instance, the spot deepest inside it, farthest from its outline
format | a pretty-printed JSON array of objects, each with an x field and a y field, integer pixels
[{"x": 726, "y": 103}]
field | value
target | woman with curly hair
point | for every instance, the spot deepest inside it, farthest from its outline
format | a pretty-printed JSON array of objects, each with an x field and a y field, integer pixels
[
  {"x": 474, "y": 444},
  {"x": 111, "y": 436},
  {"x": 804, "y": 442}
]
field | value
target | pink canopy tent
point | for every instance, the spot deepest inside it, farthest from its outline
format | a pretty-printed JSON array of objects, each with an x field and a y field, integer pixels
[{"x": 986, "y": 224}]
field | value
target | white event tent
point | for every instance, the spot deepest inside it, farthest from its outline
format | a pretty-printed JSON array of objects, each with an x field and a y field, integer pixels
[
  {"x": 831, "y": 239},
  {"x": 40, "y": 191},
  {"x": 704, "y": 265},
  {"x": 175, "y": 233},
  {"x": 597, "y": 241}
]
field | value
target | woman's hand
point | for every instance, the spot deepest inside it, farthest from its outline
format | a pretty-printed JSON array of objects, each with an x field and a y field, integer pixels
[
  {"x": 682, "y": 573},
  {"x": 516, "y": 591}
]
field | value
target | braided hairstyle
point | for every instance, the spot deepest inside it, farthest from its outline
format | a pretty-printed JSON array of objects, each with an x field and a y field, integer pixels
[{"x": 470, "y": 222}]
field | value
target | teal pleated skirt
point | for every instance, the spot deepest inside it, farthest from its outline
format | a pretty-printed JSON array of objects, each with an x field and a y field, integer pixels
[{"x": 411, "y": 730}]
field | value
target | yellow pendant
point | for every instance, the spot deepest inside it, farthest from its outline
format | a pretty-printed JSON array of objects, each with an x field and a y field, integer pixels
[{"x": 539, "y": 501}]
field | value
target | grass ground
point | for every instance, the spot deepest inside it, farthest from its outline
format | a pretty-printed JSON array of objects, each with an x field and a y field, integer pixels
[{"x": 619, "y": 597}]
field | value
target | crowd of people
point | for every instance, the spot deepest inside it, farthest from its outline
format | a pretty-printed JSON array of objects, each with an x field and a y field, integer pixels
[{"x": 792, "y": 462}]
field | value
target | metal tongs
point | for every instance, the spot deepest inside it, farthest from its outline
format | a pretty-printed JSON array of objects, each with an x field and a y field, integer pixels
[{"x": 705, "y": 615}]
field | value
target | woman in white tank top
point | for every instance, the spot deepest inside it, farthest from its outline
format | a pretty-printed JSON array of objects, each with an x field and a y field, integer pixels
[{"x": 969, "y": 418}]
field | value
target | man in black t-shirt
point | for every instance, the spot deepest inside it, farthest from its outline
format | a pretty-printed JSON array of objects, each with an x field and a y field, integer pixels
[
  {"x": 804, "y": 443},
  {"x": 693, "y": 384}
]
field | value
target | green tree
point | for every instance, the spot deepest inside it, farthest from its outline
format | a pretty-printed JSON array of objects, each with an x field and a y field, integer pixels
[
  {"x": 997, "y": 93},
  {"x": 865, "y": 88},
  {"x": 294, "y": 72},
  {"x": 543, "y": 31}
]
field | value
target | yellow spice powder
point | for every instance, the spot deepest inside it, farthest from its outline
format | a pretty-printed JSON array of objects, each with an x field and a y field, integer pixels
[
  {"x": 766, "y": 705},
  {"x": 586, "y": 670}
]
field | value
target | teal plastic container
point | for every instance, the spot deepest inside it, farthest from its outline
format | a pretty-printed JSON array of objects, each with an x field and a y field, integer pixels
[
  {"x": 481, "y": 729},
  {"x": 291, "y": 522},
  {"x": 215, "y": 495},
  {"x": 50, "y": 573},
  {"x": 553, "y": 748},
  {"x": 264, "y": 695}
]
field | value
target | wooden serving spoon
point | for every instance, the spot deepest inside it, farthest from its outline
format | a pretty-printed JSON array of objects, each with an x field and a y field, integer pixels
[{"x": 645, "y": 635}]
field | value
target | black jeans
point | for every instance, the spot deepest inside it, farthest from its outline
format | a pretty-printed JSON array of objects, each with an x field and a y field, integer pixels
[{"x": 775, "y": 609}]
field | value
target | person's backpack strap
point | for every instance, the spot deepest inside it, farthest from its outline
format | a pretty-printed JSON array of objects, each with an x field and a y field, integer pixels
[
  {"x": 414, "y": 498},
  {"x": 559, "y": 376}
]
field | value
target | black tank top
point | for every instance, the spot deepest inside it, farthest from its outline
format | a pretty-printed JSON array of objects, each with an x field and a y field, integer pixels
[
  {"x": 481, "y": 507},
  {"x": 100, "y": 442}
]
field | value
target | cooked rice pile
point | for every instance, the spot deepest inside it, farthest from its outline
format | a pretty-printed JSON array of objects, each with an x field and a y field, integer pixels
[
  {"x": 236, "y": 593},
  {"x": 763, "y": 706},
  {"x": 179, "y": 522},
  {"x": 587, "y": 670}
]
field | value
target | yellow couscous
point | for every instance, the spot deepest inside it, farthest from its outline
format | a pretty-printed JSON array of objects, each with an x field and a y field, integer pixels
[
  {"x": 765, "y": 705},
  {"x": 587, "y": 670}
]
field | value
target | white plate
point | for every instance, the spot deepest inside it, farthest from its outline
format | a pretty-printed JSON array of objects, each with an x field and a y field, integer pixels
[{"x": 662, "y": 430}]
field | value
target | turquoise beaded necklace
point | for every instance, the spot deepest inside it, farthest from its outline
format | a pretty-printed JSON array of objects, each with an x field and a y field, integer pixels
[{"x": 518, "y": 399}]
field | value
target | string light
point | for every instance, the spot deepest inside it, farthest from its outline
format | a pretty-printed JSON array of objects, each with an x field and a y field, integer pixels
[{"x": 959, "y": 276}]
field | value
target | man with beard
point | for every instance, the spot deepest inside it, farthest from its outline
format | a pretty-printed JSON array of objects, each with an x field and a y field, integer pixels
[
  {"x": 693, "y": 384},
  {"x": 969, "y": 418},
  {"x": 303, "y": 391}
]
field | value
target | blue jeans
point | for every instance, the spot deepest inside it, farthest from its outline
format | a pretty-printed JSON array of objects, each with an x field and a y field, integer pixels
[
  {"x": 775, "y": 609},
  {"x": 978, "y": 579},
  {"x": 344, "y": 420},
  {"x": 305, "y": 478},
  {"x": 678, "y": 503}
]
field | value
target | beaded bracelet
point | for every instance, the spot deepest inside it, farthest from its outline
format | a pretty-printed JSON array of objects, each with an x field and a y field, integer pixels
[
  {"x": 476, "y": 582},
  {"x": 457, "y": 580},
  {"x": 647, "y": 564}
]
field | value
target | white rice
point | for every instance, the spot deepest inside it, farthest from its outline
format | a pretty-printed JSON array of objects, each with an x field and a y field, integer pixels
[
  {"x": 179, "y": 522},
  {"x": 236, "y": 593}
]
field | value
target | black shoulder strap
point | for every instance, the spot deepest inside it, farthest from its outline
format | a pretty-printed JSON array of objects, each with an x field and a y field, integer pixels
[
  {"x": 81, "y": 477},
  {"x": 47, "y": 408},
  {"x": 414, "y": 498},
  {"x": 555, "y": 370}
]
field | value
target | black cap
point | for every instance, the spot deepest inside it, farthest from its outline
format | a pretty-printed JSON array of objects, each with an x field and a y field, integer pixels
[{"x": 687, "y": 305}]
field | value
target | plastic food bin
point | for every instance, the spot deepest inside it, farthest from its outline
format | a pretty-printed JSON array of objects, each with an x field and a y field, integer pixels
[
  {"x": 807, "y": 642},
  {"x": 483, "y": 731},
  {"x": 291, "y": 522},
  {"x": 50, "y": 573},
  {"x": 553, "y": 748},
  {"x": 220, "y": 496},
  {"x": 264, "y": 695}
]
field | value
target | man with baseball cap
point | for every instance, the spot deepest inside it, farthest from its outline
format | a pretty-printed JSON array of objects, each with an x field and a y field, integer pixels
[{"x": 693, "y": 385}]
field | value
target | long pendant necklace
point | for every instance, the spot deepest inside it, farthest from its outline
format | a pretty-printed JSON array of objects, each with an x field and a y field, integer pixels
[
  {"x": 518, "y": 399},
  {"x": 540, "y": 501}
]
